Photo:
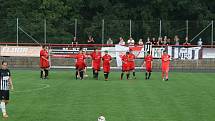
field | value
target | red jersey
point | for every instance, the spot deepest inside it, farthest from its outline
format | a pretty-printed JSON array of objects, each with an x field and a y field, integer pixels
[
  {"x": 92, "y": 54},
  {"x": 80, "y": 61},
  {"x": 165, "y": 62},
  {"x": 131, "y": 61},
  {"x": 148, "y": 60},
  {"x": 106, "y": 62},
  {"x": 148, "y": 63},
  {"x": 125, "y": 63},
  {"x": 96, "y": 61},
  {"x": 80, "y": 58},
  {"x": 44, "y": 59}
]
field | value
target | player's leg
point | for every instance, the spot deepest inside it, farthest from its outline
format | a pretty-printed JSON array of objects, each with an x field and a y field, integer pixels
[
  {"x": 149, "y": 72},
  {"x": 134, "y": 75},
  {"x": 127, "y": 74},
  {"x": 106, "y": 76},
  {"x": 3, "y": 108},
  {"x": 4, "y": 100},
  {"x": 41, "y": 73},
  {"x": 46, "y": 73},
  {"x": 163, "y": 74},
  {"x": 81, "y": 72},
  {"x": 122, "y": 74},
  {"x": 76, "y": 72},
  {"x": 146, "y": 74},
  {"x": 94, "y": 76},
  {"x": 167, "y": 75},
  {"x": 149, "y": 75},
  {"x": 85, "y": 71}
]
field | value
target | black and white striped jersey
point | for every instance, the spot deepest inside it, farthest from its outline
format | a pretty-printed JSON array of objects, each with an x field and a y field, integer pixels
[{"x": 4, "y": 79}]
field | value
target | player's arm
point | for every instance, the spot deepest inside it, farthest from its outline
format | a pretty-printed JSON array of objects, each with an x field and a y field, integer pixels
[
  {"x": 151, "y": 62},
  {"x": 11, "y": 83},
  {"x": 144, "y": 62},
  {"x": 44, "y": 58},
  {"x": 110, "y": 59}
]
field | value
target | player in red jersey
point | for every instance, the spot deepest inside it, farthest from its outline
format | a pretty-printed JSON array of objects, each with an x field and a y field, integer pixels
[
  {"x": 44, "y": 63},
  {"x": 96, "y": 63},
  {"x": 106, "y": 64},
  {"x": 165, "y": 65},
  {"x": 92, "y": 55},
  {"x": 125, "y": 66},
  {"x": 131, "y": 62},
  {"x": 80, "y": 64},
  {"x": 148, "y": 64}
]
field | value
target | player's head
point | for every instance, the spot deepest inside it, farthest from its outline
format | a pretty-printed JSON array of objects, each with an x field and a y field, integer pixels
[
  {"x": 130, "y": 50},
  {"x": 4, "y": 65},
  {"x": 164, "y": 52},
  {"x": 127, "y": 53},
  {"x": 44, "y": 47},
  {"x": 148, "y": 52},
  {"x": 80, "y": 50},
  {"x": 106, "y": 52},
  {"x": 96, "y": 50}
]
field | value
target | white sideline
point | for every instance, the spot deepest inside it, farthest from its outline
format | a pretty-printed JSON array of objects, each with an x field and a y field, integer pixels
[{"x": 44, "y": 86}]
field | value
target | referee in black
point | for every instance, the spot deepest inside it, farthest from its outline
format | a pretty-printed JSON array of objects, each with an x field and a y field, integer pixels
[{"x": 5, "y": 85}]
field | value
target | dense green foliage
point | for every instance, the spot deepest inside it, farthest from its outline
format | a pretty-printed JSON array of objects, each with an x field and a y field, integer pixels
[{"x": 60, "y": 16}]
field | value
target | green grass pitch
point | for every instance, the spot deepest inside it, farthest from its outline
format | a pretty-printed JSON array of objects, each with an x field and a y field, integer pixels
[{"x": 185, "y": 97}]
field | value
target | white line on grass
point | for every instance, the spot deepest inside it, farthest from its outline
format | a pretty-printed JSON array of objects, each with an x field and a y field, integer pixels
[{"x": 44, "y": 86}]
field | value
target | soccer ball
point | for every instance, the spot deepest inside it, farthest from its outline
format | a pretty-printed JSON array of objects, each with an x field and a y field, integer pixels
[{"x": 101, "y": 118}]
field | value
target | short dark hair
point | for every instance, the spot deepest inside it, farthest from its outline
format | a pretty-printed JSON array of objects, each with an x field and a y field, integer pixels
[
  {"x": 43, "y": 46},
  {"x": 80, "y": 48},
  {"x": 3, "y": 62},
  {"x": 148, "y": 52}
]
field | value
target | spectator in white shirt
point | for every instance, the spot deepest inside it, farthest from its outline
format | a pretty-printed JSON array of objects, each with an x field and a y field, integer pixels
[
  {"x": 131, "y": 41},
  {"x": 121, "y": 41},
  {"x": 140, "y": 42},
  {"x": 109, "y": 41}
]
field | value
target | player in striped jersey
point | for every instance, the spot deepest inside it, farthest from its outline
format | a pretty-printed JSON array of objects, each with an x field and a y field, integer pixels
[{"x": 5, "y": 85}]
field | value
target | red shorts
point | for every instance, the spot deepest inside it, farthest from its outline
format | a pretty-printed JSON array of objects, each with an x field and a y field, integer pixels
[
  {"x": 80, "y": 66},
  {"x": 148, "y": 68},
  {"x": 106, "y": 69},
  {"x": 131, "y": 66},
  {"x": 96, "y": 67},
  {"x": 125, "y": 68},
  {"x": 44, "y": 64},
  {"x": 165, "y": 68}
]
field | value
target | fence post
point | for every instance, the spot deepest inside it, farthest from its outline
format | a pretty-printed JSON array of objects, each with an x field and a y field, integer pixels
[
  {"x": 160, "y": 29},
  {"x": 212, "y": 33},
  {"x": 45, "y": 31},
  {"x": 76, "y": 21},
  {"x": 130, "y": 28},
  {"x": 17, "y": 31},
  {"x": 187, "y": 29},
  {"x": 103, "y": 24}
]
